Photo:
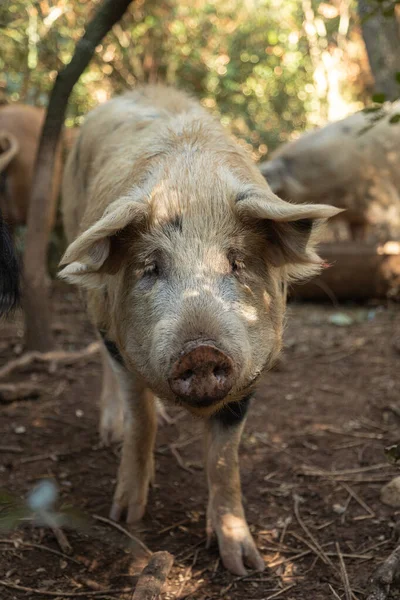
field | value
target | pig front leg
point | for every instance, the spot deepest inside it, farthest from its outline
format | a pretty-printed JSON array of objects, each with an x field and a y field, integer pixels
[
  {"x": 225, "y": 513},
  {"x": 136, "y": 470}
]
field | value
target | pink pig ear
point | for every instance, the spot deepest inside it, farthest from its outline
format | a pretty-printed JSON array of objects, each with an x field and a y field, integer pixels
[
  {"x": 84, "y": 258},
  {"x": 291, "y": 230}
]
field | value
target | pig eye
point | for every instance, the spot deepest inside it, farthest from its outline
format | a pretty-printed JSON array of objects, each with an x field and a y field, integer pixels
[
  {"x": 236, "y": 263},
  {"x": 151, "y": 270}
]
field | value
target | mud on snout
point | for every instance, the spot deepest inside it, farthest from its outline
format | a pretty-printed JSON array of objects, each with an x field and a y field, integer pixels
[{"x": 203, "y": 368}]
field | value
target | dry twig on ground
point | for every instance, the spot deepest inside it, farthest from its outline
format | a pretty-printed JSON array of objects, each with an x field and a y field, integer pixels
[
  {"x": 61, "y": 594},
  {"x": 343, "y": 574},
  {"x": 386, "y": 575},
  {"x": 153, "y": 576},
  {"x": 9, "y": 392},
  {"x": 62, "y": 540},
  {"x": 124, "y": 531},
  {"x": 51, "y": 357},
  {"x": 19, "y": 543},
  {"x": 316, "y": 547}
]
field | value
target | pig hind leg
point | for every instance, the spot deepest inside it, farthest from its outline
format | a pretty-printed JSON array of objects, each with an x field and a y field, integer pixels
[
  {"x": 136, "y": 470},
  {"x": 111, "y": 403},
  {"x": 225, "y": 513}
]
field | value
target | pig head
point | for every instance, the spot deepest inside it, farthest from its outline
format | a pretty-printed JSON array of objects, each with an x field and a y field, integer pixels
[
  {"x": 351, "y": 163},
  {"x": 185, "y": 254}
]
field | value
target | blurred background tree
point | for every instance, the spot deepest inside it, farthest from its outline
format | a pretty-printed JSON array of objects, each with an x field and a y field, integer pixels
[
  {"x": 271, "y": 68},
  {"x": 381, "y": 33}
]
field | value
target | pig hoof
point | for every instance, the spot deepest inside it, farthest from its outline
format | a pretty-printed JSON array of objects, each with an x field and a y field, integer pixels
[
  {"x": 134, "y": 512},
  {"x": 116, "y": 511},
  {"x": 236, "y": 546},
  {"x": 130, "y": 497}
]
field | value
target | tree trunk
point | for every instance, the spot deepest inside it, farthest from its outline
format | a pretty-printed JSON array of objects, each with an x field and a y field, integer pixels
[
  {"x": 382, "y": 40},
  {"x": 36, "y": 301},
  {"x": 358, "y": 271}
]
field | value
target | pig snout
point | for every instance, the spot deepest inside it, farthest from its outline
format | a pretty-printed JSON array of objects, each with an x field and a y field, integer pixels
[{"x": 202, "y": 375}]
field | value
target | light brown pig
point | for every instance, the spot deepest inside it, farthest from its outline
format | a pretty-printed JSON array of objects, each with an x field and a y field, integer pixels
[
  {"x": 185, "y": 254},
  {"x": 353, "y": 164},
  {"x": 20, "y": 129}
]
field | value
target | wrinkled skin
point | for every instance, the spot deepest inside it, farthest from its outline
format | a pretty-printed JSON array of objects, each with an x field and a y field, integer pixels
[{"x": 185, "y": 254}]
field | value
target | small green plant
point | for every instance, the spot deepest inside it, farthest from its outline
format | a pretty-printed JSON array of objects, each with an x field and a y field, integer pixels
[{"x": 39, "y": 509}]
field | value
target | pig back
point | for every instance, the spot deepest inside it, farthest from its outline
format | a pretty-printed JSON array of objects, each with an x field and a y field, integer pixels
[
  {"x": 351, "y": 163},
  {"x": 117, "y": 142}
]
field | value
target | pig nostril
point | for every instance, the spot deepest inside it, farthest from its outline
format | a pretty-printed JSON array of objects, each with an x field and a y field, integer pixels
[
  {"x": 187, "y": 375},
  {"x": 220, "y": 372},
  {"x": 202, "y": 375}
]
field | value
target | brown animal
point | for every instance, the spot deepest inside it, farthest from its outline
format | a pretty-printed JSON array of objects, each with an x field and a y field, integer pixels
[
  {"x": 20, "y": 128},
  {"x": 185, "y": 254},
  {"x": 353, "y": 164}
]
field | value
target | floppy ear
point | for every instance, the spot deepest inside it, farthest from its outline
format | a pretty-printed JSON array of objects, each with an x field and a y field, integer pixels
[
  {"x": 291, "y": 230},
  {"x": 87, "y": 254},
  {"x": 9, "y": 146}
]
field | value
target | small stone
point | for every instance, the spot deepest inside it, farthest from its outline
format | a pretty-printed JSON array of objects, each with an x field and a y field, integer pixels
[
  {"x": 390, "y": 493},
  {"x": 340, "y": 319}
]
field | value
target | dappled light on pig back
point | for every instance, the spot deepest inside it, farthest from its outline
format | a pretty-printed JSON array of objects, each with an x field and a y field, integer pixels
[{"x": 191, "y": 294}]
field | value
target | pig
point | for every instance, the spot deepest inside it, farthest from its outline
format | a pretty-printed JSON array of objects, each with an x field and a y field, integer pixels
[
  {"x": 183, "y": 254},
  {"x": 20, "y": 129},
  {"x": 353, "y": 164}
]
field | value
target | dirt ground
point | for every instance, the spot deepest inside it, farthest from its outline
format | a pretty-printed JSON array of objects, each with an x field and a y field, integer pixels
[{"x": 312, "y": 467}]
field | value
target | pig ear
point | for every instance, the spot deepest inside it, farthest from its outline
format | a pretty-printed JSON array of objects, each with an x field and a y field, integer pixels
[
  {"x": 291, "y": 230},
  {"x": 84, "y": 258}
]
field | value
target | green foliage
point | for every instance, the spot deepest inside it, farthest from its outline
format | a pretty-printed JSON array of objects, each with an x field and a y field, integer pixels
[
  {"x": 252, "y": 60},
  {"x": 39, "y": 509},
  {"x": 379, "y": 98}
]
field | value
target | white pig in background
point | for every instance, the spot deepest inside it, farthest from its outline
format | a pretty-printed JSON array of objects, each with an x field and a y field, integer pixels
[
  {"x": 353, "y": 163},
  {"x": 184, "y": 253}
]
